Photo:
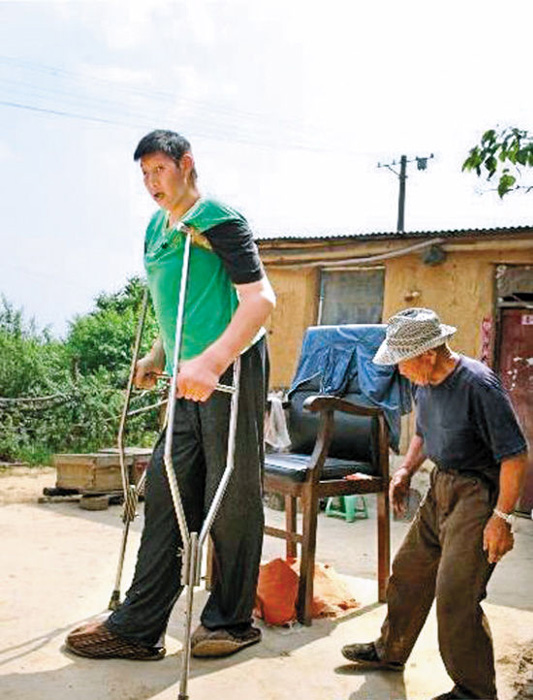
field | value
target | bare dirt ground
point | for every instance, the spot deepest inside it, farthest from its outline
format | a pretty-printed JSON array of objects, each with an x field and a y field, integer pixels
[
  {"x": 24, "y": 484},
  {"x": 58, "y": 565}
]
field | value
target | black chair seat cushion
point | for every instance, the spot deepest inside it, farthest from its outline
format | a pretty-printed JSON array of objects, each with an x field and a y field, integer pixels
[{"x": 295, "y": 466}]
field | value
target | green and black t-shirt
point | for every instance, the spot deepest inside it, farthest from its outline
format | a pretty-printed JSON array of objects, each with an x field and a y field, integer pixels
[{"x": 223, "y": 254}]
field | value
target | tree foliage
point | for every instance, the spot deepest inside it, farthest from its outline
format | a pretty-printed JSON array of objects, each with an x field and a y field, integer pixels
[
  {"x": 67, "y": 396},
  {"x": 505, "y": 153},
  {"x": 104, "y": 337},
  {"x": 31, "y": 363}
]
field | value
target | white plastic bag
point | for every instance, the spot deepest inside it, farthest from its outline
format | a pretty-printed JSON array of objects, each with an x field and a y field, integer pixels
[{"x": 276, "y": 433}]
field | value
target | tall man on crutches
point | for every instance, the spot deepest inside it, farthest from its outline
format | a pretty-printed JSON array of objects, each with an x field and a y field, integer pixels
[{"x": 227, "y": 301}]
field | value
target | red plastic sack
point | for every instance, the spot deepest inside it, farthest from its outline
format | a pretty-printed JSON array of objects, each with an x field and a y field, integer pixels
[
  {"x": 276, "y": 594},
  {"x": 277, "y": 591}
]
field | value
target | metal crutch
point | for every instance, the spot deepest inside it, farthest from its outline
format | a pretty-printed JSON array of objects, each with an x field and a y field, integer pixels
[
  {"x": 131, "y": 491},
  {"x": 192, "y": 542}
]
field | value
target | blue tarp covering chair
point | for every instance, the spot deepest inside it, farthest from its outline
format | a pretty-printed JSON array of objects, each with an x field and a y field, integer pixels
[{"x": 343, "y": 415}]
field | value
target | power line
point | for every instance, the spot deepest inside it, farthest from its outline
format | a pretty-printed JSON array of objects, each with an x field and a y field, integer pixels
[
  {"x": 209, "y": 120},
  {"x": 150, "y": 93},
  {"x": 60, "y": 113},
  {"x": 193, "y": 131}
]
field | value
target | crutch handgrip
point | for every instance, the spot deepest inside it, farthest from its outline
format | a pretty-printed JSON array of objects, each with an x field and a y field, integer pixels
[
  {"x": 219, "y": 387},
  {"x": 225, "y": 388},
  {"x": 147, "y": 408}
]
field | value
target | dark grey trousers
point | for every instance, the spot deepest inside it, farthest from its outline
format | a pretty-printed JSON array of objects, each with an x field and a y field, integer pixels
[
  {"x": 199, "y": 459},
  {"x": 442, "y": 557}
]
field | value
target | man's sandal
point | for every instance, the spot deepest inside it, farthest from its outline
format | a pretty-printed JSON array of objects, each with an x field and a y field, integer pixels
[{"x": 93, "y": 640}]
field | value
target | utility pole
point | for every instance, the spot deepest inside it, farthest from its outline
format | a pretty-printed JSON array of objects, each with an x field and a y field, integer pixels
[
  {"x": 421, "y": 164},
  {"x": 401, "y": 197}
]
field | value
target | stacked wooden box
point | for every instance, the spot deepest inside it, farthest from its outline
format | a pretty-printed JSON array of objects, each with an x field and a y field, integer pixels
[{"x": 99, "y": 472}]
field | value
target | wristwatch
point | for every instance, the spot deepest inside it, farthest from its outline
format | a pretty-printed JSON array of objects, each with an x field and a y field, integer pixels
[{"x": 508, "y": 517}]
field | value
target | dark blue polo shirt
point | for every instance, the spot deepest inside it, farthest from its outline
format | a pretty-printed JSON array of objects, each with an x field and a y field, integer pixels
[{"x": 467, "y": 421}]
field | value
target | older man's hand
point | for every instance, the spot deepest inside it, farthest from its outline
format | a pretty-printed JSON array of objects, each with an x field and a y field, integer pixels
[
  {"x": 498, "y": 539},
  {"x": 399, "y": 489}
]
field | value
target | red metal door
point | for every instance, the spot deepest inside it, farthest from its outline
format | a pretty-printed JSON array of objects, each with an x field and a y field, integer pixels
[{"x": 516, "y": 371}]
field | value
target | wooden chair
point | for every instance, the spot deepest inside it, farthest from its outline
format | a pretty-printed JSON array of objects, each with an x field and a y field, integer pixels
[{"x": 331, "y": 438}]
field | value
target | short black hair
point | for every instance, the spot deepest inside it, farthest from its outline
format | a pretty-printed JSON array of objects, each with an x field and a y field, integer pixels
[{"x": 171, "y": 143}]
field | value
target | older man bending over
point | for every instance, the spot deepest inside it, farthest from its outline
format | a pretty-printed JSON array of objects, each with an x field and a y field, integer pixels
[{"x": 466, "y": 425}]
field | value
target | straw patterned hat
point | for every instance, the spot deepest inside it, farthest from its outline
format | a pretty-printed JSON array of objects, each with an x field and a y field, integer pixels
[{"x": 410, "y": 333}]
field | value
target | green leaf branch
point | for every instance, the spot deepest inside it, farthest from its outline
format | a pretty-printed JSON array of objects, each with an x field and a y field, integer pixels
[{"x": 503, "y": 153}]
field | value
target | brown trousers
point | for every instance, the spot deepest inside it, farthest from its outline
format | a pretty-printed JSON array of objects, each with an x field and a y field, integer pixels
[{"x": 442, "y": 557}]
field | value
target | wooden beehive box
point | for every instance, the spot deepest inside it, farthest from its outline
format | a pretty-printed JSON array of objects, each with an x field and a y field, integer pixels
[
  {"x": 137, "y": 459},
  {"x": 90, "y": 473}
]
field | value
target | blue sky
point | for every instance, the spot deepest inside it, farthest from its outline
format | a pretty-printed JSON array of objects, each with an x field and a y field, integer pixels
[{"x": 289, "y": 106}]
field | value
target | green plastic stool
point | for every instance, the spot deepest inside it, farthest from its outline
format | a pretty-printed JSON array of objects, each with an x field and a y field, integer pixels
[{"x": 347, "y": 507}]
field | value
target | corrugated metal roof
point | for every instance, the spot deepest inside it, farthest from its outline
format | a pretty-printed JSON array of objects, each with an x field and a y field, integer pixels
[{"x": 379, "y": 235}]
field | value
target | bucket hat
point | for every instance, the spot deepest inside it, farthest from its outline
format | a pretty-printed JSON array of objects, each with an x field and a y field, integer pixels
[{"x": 410, "y": 333}]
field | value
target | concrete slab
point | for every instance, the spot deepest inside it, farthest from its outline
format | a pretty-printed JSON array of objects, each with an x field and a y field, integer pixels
[{"x": 58, "y": 565}]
